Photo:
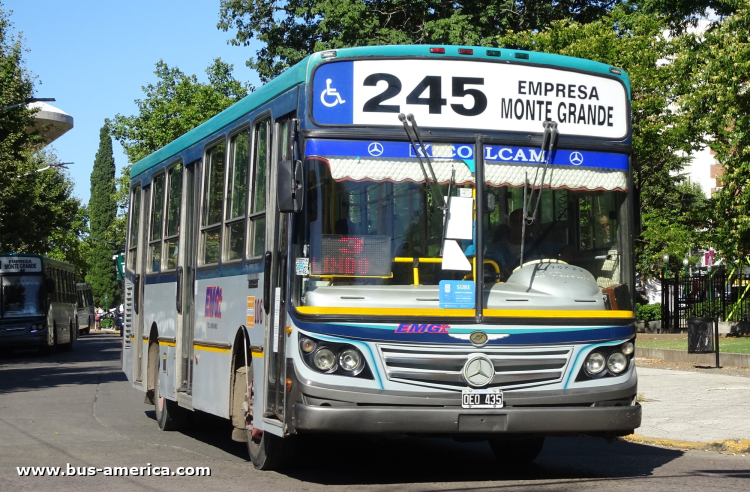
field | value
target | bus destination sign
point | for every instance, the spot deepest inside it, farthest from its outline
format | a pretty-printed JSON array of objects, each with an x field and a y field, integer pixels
[
  {"x": 15, "y": 264},
  {"x": 469, "y": 95},
  {"x": 352, "y": 256}
]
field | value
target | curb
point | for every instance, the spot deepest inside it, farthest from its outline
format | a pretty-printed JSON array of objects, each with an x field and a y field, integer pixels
[
  {"x": 104, "y": 332},
  {"x": 729, "y": 446},
  {"x": 671, "y": 355}
]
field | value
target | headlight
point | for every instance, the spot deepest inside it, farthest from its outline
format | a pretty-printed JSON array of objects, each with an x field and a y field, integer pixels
[
  {"x": 628, "y": 348},
  {"x": 307, "y": 345},
  {"x": 617, "y": 363},
  {"x": 324, "y": 359},
  {"x": 350, "y": 360},
  {"x": 595, "y": 363}
]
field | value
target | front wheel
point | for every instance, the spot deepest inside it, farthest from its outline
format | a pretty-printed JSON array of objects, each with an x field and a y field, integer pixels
[
  {"x": 517, "y": 451},
  {"x": 267, "y": 451}
]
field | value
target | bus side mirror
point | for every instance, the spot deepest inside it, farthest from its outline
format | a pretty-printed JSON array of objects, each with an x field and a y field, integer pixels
[
  {"x": 289, "y": 187},
  {"x": 50, "y": 286}
]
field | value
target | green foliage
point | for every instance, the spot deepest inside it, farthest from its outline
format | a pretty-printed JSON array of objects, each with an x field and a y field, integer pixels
[
  {"x": 717, "y": 100},
  {"x": 648, "y": 312},
  {"x": 38, "y": 213},
  {"x": 103, "y": 212},
  {"x": 292, "y": 29},
  {"x": 174, "y": 105}
]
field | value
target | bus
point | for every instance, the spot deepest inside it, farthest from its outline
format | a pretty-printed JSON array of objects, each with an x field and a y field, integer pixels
[
  {"x": 37, "y": 302},
  {"x": 86, "y": 312},
  {"x": 393, "y": 240}
]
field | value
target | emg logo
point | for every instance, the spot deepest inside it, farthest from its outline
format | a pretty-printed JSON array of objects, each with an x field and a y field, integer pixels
[{"x": 213, "y": 302}]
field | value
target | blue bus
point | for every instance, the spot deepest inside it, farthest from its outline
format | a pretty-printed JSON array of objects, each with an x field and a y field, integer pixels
[
  {"x": 37, "y": 303},
  {"x": 420, "y": 240}
]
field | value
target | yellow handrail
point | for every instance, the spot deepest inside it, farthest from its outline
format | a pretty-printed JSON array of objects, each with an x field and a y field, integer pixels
[{"x": 416, "y": 261}]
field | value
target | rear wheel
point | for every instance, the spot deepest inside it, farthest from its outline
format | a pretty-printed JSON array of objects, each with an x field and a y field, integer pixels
[
  {"x": 267, "y": 451},
  {"x": 517, "y": 451}
]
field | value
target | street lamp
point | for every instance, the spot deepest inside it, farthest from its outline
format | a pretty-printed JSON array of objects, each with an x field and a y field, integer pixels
[
  {"x": 56, "y": 164},
  {"x": 29, "y": 100},
  {"x": 665, "y": 259}
]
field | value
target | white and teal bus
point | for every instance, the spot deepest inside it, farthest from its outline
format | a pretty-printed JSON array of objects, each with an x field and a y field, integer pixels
[
  {"x": 421, "y": 240},
  {"x": 37, "y": 302}
]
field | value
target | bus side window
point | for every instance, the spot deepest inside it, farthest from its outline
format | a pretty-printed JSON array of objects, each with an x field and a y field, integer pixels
[
  {"x": 135, "y": 215},
  {"x": 258, "y": 196},
  {"x": 239, "y": 160},
  {"x": 172, "y": 228},
  {"x": 157, "y": 216},
  {"x": 213, "y": 197}
]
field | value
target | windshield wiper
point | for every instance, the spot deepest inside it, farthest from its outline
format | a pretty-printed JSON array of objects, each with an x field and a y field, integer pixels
[
  {"x": 413, "y": 132},
  {"x": 549, "y": 140}
]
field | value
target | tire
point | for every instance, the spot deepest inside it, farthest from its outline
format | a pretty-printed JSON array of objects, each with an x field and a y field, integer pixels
[
  {"x": 169, "y": 415},
  {"x": 69, "y": 346},
  {"x": 50, "y": 349},
  {"x": 267, "y": 451},
  {"x": 517, "y": 451}
]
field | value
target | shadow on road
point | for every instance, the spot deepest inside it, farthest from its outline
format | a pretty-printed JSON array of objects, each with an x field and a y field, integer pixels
[
  {"x": 28, "y": 370},
  {"x": 359, "y": 461}
]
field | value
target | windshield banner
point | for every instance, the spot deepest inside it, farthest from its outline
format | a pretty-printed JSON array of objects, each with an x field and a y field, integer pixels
[
  {"x": 387, "y": 150},
  {"x": 359, "y": 149},
  {"x": 469, "y": 95},
  {"x": 15, "y": 264}
]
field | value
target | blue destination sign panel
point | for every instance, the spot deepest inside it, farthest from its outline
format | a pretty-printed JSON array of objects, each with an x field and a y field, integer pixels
[
  {"x": 492, "y": 153},
  {"x": 469, "y": 95},
  {"x": 457, "y": 294}
]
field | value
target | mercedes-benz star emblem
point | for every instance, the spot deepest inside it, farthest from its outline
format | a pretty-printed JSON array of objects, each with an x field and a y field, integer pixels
[
  {"x": 479, "y": 371},
  {"x": 375, "y": 149},
  {"x": 576, "y": 158}
]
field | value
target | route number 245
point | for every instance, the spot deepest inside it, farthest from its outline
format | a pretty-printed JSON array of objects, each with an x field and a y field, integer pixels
[{"x": 433, "y": 87}]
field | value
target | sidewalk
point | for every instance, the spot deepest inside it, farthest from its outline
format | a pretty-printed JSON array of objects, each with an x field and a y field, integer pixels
[{"x": 691, "y": 409}]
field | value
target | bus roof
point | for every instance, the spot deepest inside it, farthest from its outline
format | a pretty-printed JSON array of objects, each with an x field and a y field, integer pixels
[{"x": 300, "y": 73}]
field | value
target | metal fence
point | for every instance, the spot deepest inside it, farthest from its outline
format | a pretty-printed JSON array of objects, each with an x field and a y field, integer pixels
[{"x": 705, "y": 295}]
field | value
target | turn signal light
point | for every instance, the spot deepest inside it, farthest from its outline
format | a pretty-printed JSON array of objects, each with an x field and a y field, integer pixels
[
  {"x": 437, "y": 50},
  {"x": 465, "y": 51}
]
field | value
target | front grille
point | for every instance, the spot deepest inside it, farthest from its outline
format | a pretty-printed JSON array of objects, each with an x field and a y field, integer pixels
[{"x": 441, "y": 366}]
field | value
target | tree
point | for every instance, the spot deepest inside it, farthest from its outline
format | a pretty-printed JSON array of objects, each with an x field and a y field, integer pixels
[
  {"x": 103, "y": 211},
  {"x": 292, "y": 29},
  {"x": 176, "y": 104},
  {"x": 717, "y": 98}
]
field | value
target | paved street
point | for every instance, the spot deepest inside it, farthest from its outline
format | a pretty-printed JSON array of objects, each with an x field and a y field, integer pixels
[{"x": 77, "y": 408}]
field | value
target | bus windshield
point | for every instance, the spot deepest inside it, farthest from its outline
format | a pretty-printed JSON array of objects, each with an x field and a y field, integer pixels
[
  {"x": 22, "y": 296},
  {"x": 373, "y": 236}
]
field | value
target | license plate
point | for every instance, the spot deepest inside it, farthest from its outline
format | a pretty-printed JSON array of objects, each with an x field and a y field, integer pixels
[{"x": 482, "y": 398}]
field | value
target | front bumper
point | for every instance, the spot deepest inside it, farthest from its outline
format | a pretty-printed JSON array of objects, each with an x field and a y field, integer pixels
[{"x": 606, "y": 411}]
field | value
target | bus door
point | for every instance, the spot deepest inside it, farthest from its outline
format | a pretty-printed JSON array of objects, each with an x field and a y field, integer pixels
[
  {"x": 186, "y": 277},
  {"x": 140, "y": 280},
  {"x": 275, "y": 280}
]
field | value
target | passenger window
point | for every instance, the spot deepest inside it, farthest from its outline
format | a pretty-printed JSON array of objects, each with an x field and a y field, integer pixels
[
  {"x": 174, "y": 200},
  {"x": 213, "y": 195},
  {"x": 239, "y": 160},
  {"x": 258, "y": 205},
  {"x": 135, "y": 214},
  {"x": 157, "y": 216}
]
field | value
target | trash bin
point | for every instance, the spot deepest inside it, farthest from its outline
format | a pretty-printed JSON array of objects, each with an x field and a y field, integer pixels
[{"x": 701, "y": 336}]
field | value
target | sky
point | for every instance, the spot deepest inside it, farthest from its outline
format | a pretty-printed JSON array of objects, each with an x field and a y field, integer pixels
[{"x": 94, "y": 56}]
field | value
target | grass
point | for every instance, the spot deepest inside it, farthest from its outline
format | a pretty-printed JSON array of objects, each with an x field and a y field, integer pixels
[{"x": 739, "y": 345}]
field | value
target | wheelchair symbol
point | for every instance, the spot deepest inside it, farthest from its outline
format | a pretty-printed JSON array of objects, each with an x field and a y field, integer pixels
[{"x": 330, "y": 91}]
